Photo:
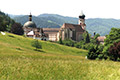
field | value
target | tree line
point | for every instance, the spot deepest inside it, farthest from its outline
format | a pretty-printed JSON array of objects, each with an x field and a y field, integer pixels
[
  {"x": 9, "y": 25},
  {"x": 109, "y": 51}
]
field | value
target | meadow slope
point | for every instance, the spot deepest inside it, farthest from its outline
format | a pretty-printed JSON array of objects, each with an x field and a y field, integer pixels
[{"x": 19, "y": 61}]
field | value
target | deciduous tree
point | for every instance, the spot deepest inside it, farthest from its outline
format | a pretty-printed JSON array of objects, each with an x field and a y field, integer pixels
[
  {"x": 36, "y": 44},
  {"x": 17, "y": 29},
  {"x": 114, "y": 51}
]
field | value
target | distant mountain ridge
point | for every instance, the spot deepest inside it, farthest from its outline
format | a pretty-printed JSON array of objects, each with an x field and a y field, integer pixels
[
  {"x": 101, "y": 26},
  {"x": 98, "y": 25}
]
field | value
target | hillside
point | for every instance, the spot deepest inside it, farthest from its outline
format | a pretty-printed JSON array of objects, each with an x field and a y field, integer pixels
[
  {"x": 62, "y": 19},
  {"x": 40, "y": 22},
  {"x": 47, "y": 20},
  {"x": 101, "y": 26},
  {"x": 98, "y": 25},
  {"x": 5, "y": 22},
  {"x": 11, "y": 42},
  {"x": 19, "y": 61}
]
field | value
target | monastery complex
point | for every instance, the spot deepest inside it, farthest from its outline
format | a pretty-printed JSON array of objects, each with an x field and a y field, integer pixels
[{"x": 66, "y": 31}]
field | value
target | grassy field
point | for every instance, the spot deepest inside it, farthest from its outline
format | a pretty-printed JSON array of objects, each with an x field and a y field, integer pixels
[{"x": 19, "y": 61}]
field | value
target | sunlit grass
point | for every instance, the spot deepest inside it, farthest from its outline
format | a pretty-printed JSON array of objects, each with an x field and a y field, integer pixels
[{"x": 19, "y": 61}]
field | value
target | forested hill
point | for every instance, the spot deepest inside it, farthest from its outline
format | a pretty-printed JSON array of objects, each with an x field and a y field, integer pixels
[
  {"x": 98, "y": 25},
  {"x": 5, "y": 22},
  {"x": 101, "y": 26}
]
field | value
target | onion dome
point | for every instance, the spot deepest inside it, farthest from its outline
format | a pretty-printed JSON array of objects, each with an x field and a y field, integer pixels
[
  {"x": 30, "y": 24},
  {"x": 82, "y": 15}
]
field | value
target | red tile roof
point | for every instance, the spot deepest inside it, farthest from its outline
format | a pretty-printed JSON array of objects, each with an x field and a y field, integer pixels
[
  {"x": 77, "y": 27},
  {"x": 51, "y": 30}
]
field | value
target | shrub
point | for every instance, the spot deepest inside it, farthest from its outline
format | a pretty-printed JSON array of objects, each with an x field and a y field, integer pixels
[
  {"x": 36, "y": 44},
  {"x": 101, "y": 54},
  {"x": 68, "y": 42},
  {"x": 87, "y": 46},
  {"x": 94, "y": 39},
  {"x": 113, "y": 36},
  {"x": 93, "y": 52},
  {"x": 86, "y": 37},
  {"x": 60, "y": 41},
  {"x": 17, "y": 29},
  {"x": 79, "y": 44},
  {"x": 114, "y": 51}
]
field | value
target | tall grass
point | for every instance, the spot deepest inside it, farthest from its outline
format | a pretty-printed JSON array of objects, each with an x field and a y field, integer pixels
[{"x": 19, "y": 61}]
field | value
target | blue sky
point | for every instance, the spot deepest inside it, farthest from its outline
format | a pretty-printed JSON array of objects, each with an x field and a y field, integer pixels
[{"x": 72, "y": 8}]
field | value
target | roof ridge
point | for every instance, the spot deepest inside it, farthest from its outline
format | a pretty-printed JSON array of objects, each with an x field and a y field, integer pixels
[{"x": 71, "y": 24}]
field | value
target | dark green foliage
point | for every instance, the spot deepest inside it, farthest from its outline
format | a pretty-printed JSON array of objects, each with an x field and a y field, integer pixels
[
  {"x": 36, "y": 44},
  {"x": 94, "y": 39},
  {"x": 17, "y": 29},
  {"x": 95, "y": 51},
  {"x": 100, "y": 50},
  {"x": 68, "y": 42},
  {"x": 11, "y": 36},
  {"x": 87, "y": 46},
  {"x": 114, "y": 51},
  {"x": 83, "y": 45},
  {"x": 5, "y": 22},
  {"x": 113, "y": 36},
  {"x": 96, "y": 36},
  {"x": 111, "y": 49},
  {"x": 79, "y": 44},
  {"x": 86, "y": 37},
  {"x": 60, "y": 41}
]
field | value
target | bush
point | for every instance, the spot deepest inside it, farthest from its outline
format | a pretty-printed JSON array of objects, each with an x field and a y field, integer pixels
[
  {"x": 36, "y": 44},
  {"x": 86, "y": 37},
  {"x": 82, "y": 45},
  {"x": 60, "y": 41},
  {"x": 100, "y": 56},
  {"x": 87, "y": 46},
  {"x": 113, "y": 36},
  {"x": 95, "y": 51},
  {"x": 68, "y": 42},
  {"x": 17, "y": 29},
  {"x": 79, "y": 44},
  {"x": 94, "y": 39},
  {"x": 114, "y": 51},
  {"x": 92, "y": 53}
]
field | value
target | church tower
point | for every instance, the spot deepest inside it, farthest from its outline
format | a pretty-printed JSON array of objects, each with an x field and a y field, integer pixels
[
  {"x": 30, "y": 17},
  {"x": 82, "y": 20}
]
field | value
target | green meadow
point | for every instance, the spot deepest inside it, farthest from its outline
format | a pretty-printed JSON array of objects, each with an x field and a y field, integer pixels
[{"x": 20, "y": 61}]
